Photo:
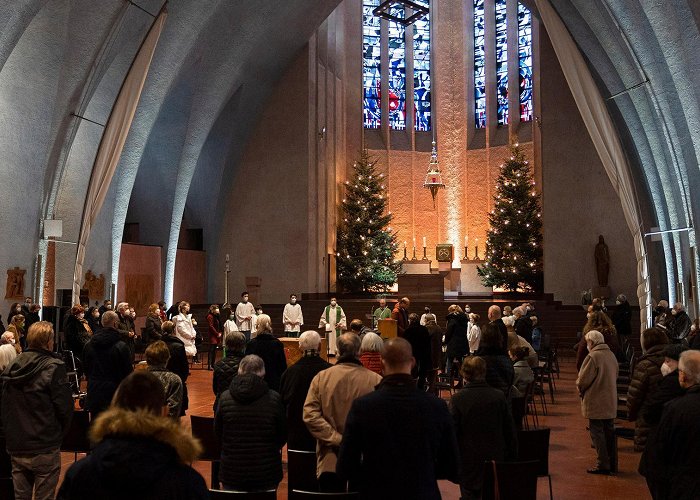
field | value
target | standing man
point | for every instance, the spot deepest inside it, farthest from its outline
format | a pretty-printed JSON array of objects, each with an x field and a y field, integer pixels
[
  {"x": 494, "y": 315},
  {"x": 597, "y": 386},
  {"x": 244, "y": 315},
  {"x": 292, "y": 317},
  {"x": 215, "y": 334},
  {"x": 676, "y": 440},
  {"x": 381, "y": 312},
  {"x": 107, "y": 361},
  {"x": 106, "y": 306},
  {"x": 334, "y": 321},
  {"x": 184, "y": 329},
  {"x": 36, "y": 412},
  {"x": 294, "y": 387},
  {"x": 327, "y": 405},
  {"x": 400, "y": 314},
  {"x": 385, "y": 460}
]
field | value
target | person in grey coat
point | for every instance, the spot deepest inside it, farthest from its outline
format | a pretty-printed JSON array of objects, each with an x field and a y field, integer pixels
[
  {"x": 157, "y": 356},
  {"x": 597, "y": 386}
]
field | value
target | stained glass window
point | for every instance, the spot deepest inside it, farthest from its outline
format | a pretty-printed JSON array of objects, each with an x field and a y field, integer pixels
[
  {"x": 371, "y": 66},
  {"x": 397, "y": 71},
  {"x": 525, "y": 62},
  {"x": 479, "y": 70},
  {"x": 421, "y": 71},
  {"x": 502, "y": 62}
]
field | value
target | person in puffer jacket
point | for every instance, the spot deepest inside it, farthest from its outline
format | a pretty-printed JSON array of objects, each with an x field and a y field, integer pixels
[
  {"x": 645, "y": 380},
  {"x": 252, "y": 427}
]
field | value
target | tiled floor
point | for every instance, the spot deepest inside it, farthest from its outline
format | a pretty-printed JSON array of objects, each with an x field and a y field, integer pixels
[{"x": 570, "y": 449}]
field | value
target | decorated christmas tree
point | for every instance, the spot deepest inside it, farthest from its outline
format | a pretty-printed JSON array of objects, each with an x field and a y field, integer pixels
[
  {"x": 366, "y": 246},
  {"x": 514, "y": 241}
]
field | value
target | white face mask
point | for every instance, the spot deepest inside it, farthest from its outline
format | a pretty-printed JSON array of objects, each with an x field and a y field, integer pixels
[
  {"x": 467, "y": 310},
  {"x": 674, "y": 312},
  {"x": 293, "y": 301},
  {"x": 81, "y": 315},
  {"x": 133, "y": 314},
  {"x": 259, "y": 312},
  {"x": 618, "y": 302},
  {"x": 665, "y": 369},
  {"x": 589, "y": 315},
  {"x": 333, "y": 303},
  {"x": 245, "y": 300}
]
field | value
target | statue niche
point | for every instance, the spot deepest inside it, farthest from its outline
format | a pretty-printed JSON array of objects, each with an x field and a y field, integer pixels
[{"x": 15, "y": 283}]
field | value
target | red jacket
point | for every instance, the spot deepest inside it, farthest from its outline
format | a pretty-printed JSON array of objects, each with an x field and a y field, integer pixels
[
  {"x": 214, "y": 329},
  {"x": 372, "y": 361}
]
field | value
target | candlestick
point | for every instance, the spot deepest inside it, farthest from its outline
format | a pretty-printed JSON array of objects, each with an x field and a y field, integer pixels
[
  {"x": 476, "y": 252},
  {"x": 466, "y": 252},
  {"x": 425, "y": 257},
  {"x": 414, "y": 253},
  {"x": 404, "y": 252}
]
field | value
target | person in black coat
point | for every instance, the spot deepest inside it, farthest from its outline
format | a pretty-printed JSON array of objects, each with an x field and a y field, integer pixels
[
  {"x": 456, "y": 336},
  {"x": 251, "y": 425},
  {"x": 675, "y": 442},
  {"x": 484, "y": 426},
  {"x": 499, "y": 368},
  {"x": 75, "y": 331},
  {"x": 419, "y": 338},
  {"x": 138, "y": 452},
  {"x": 494, "y": 315},
  {"x": 622, "y": 316},
  {"x": 177, "y": 363},
  {"x": 270, "y": 349},
  {"x": 227, "y": 368},
  {"x": 106, "y": 361},
  {"x": 398, "y": 440},
  {"x": 294, "y": 387},
  {"x": 523, "y": 324}
]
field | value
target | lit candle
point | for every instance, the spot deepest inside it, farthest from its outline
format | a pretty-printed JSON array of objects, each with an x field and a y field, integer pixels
[
  {"x": 414, "y": 242},
  {"x": 404, "y": 244},
  {"x": 425, "y": 242},
  {"x": 466, "y": 241}
]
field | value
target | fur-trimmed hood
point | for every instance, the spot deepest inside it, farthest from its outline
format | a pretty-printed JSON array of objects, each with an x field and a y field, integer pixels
[{"x": 117, "y": 422}]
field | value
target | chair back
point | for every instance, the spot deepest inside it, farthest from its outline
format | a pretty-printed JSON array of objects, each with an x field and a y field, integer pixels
[
  {"x": 510, "y": 480},
  {"x": 76, "y": 439},
  {"x": 534, "y": 445},
  {"x": 203, "y": 429},
  {"x": 301, "y": 471},
  {"x": 313, "y": 495},
  {"x": 243, "y": 495}
]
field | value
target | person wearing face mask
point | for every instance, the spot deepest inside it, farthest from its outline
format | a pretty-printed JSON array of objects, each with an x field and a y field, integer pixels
[
  {"x": 77, "y": 331},
  {"x": 244, "y": 315},
  {"x": 27, "y": 306},
  {"x": 230, "y": 323},
  {"x": 254, "y": 328},
  {"x": 597, "y": 387},
  {"x": 679, "y": 326},
  {"x": 106, "y": 306},
  {"x": 93, "y": 319},
  {"x": 622, "y": 316},
  {"x": 334, "y": 321},
  {"x": 215, "y": 334},
  {"x": 154, "y": 325},
  {"x": 32, "y": 316},
  {"x": 16, "y": 327},
  {"x": 15, "y": 308},
  {"x": 645, "y": 381},
  {"x": 292, "y": 317},
  {"x": 184, "y": 329},
  {"x": 693, "y": 337}
]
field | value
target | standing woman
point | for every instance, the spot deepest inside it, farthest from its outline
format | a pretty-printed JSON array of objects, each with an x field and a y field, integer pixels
[
  {"x": 77, "y": 331},
  {"x": 93, "y": 319},
  {"x": 215, "y": 333},
  {"x": 17, "y": 328},
  {"x": 456, "y": 336},
  {"x": 15, "y": 308},
  {"x": 271, "y": 350},
  {"x": 154, "y": 324}
]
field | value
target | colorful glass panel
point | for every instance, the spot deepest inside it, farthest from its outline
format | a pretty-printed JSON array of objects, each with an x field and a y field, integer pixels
[
  {"x": 397, "y": 71},
  {"x": 525, "y": 62},
  {"x": 371, "y": 65},
  {"x": 502, "y": 62},
  {"x": 479, "y": 69},
  {"x": 421, "y": 71}
]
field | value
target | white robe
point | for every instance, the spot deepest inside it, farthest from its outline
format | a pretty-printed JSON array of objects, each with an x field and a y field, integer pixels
[
  {"x": 292, "y": 314},
  {"x": 229, "y": 326},
  {"x": 333, "y": 329},
  {"x": 184, "y": 330},
  {"x": 243, "y": 311}
]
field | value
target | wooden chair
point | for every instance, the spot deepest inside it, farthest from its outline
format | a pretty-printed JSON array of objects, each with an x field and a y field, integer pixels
[
  {"x": 534, "y": 445},
  {"x": 76, "y": 439},
  {"x": 301, "y": 471},
  {"x": 203, "y": 429},
  {"x": 243, "y": 495},
  {"x": 510, "y": 480},
  {"x": 314, "y": 495}
]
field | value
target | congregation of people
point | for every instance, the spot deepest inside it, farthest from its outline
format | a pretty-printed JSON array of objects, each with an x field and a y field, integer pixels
[{"x": 368, "y": 407}]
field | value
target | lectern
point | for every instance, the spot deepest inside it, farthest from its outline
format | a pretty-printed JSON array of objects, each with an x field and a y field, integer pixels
[{"x": 387, "y": 328}]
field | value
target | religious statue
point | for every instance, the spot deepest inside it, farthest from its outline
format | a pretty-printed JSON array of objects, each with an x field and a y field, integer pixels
[
  {"x": 94, "y": 285},
  {"x": 602, "y": 261},
  {"x": 15, "y": 283}
]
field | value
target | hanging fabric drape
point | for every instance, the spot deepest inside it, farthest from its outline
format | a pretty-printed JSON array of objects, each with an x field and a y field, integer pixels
[
  {"x": 600, "y": 127},
  {"x": 113, "y": 140}
]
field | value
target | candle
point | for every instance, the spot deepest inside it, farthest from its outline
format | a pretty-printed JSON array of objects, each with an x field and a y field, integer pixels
[
  {"x": 226, "y": 258},
  {"x": 425, "y": 241},
  {"x": 404, "y": 244},
  {"x": 466, "y": 241},
  {"x": 414, "y": 242}
]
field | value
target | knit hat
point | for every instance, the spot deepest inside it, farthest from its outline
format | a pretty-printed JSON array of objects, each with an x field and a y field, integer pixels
[{"x": 673, "y": 351}]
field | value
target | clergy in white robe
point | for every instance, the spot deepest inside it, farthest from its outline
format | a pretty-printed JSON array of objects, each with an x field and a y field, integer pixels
[
  {"x": 292, "y": 317},
  {"x": 184, "y": 329},
  {"x": 230, "y": 325},
  {"x": 334, "y": 321},
  {"x": 244, "y": 313}
]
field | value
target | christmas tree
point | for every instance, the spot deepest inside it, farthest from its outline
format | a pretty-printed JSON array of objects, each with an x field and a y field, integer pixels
[
  {"x": 366, "y": 245},
  {"x": 514, "y": 241}
]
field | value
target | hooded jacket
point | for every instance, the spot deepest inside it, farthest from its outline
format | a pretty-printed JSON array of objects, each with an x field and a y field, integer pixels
[
  {"x": 644, "y": 383},
  {"x": 37, "y": 403},
  {"x": 136, "y": 455},
  {"x": 107, "y": 361},
  {"x": 251, "y": 425}
]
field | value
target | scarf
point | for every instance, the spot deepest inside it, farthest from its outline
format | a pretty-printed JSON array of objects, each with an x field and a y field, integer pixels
[{"x": 337, "y": 316}]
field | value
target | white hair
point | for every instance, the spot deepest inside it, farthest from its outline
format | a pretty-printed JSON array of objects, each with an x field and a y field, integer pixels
[
  {"x": 7, "y": 355},
  {"x": 252, "y": 363},
  {"x": 678, "y": 306},
  {"x": 689, "y": 363},
  {"x": 595, "y": 337},
  {"x": 309, "y": 340},
  {"x": 7, "y": 338},
  {"x": 371, "y": 342}
]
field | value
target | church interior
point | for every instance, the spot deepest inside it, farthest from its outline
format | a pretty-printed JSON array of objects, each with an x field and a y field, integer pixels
[{"x": 194, "y": 149}]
